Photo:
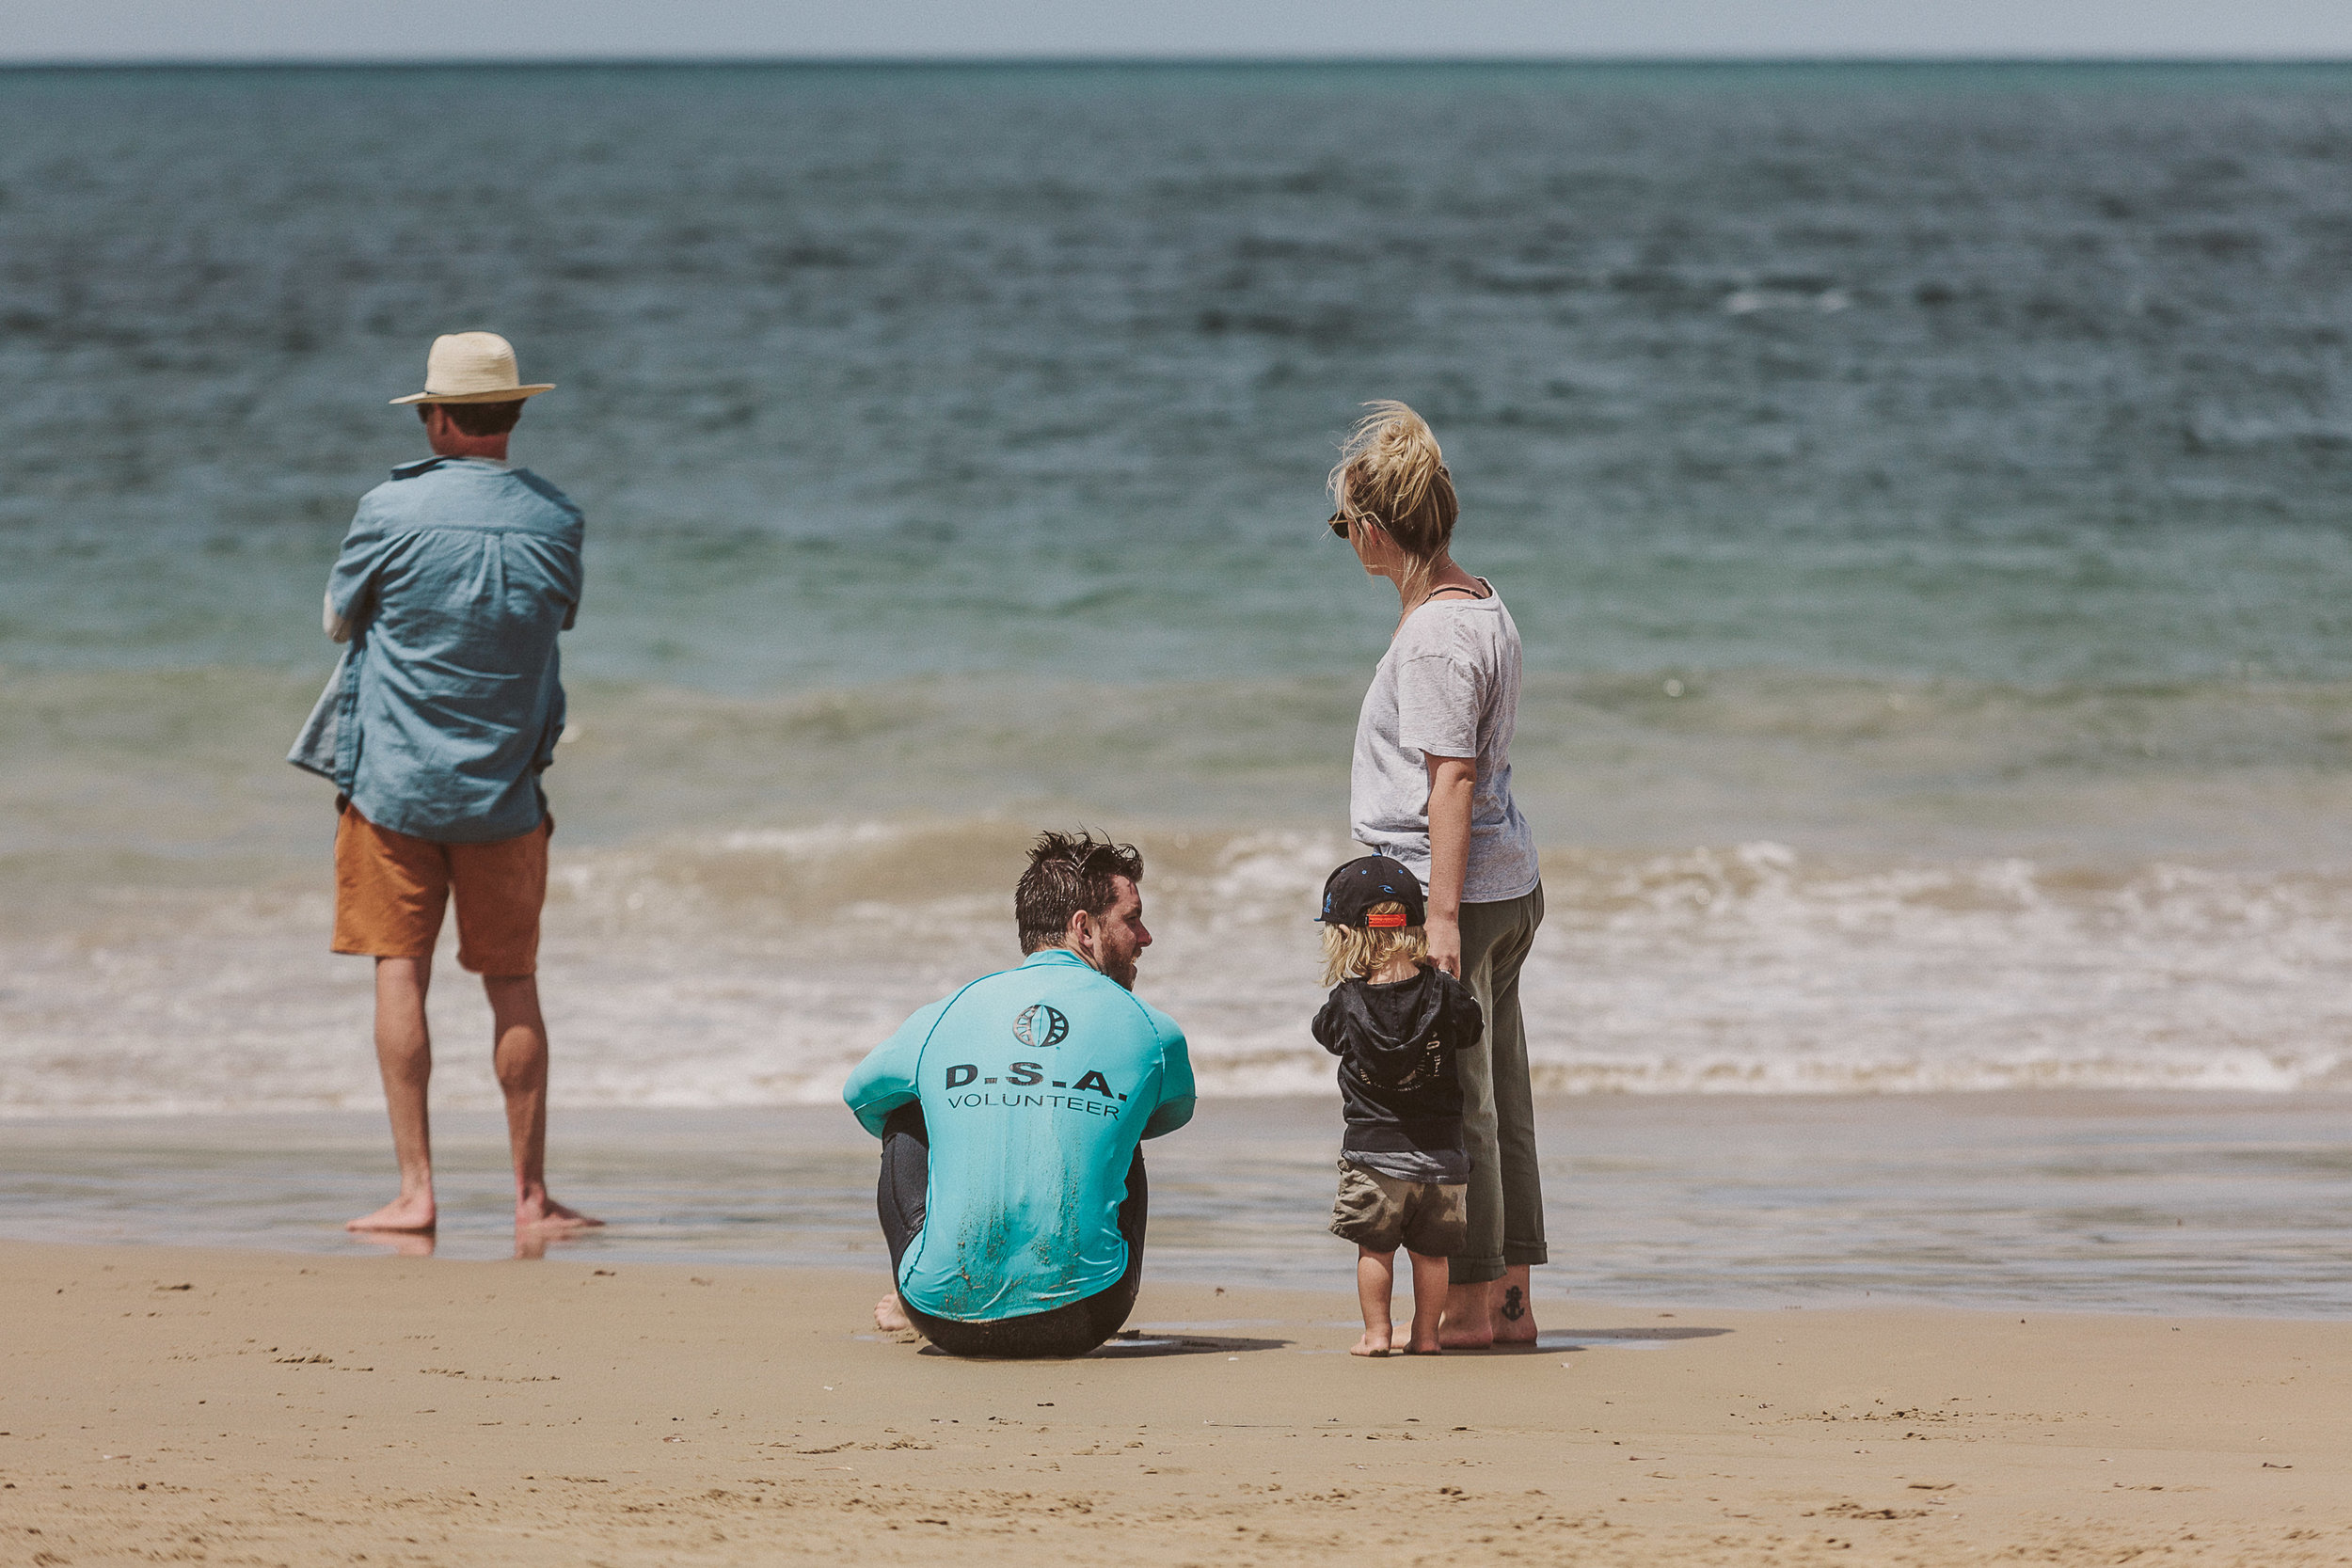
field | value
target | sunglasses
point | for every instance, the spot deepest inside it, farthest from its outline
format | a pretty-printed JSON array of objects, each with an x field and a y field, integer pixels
[{"x": 1339, "y": 524}]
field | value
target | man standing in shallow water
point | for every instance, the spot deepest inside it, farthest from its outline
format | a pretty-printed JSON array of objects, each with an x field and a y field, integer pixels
[
  {"x": 1012, "y": 1190},
  {"x": 453, "y": 582}
]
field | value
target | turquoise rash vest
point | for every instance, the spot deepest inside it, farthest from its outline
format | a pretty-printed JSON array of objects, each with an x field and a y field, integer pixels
[{"x": 1036, "y": 1085}]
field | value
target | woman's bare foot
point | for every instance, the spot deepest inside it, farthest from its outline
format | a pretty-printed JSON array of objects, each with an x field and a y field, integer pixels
[
  {"x": 1470, "y": 1318},
  {"x": 542, "y": 1212},
  {"x": 410, "y": 1212},
  {"x": 1514, "y": 1309},
  {"x": 1375, "y": 1342},
  {"x": 890, "y": 1317}
]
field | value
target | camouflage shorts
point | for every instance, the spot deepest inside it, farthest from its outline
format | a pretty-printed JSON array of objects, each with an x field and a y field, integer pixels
[{"x": 1383, "y": 1212}]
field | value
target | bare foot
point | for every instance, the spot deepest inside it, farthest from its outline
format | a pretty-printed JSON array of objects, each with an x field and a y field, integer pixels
[
  {"x": 1513, "y": 1314},
  {"x": 543, "y": 1213},
  {"x": 1375, "y": 1342},
  {"x": 890, "y": 1317},
  {"x": 1431, "y": 1346},
  {"x": 412, "y": 1214},
  {"x": 1470, "y": 1319}
]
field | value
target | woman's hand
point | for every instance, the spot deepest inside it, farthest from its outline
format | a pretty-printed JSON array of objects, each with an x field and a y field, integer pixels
[{"x": 1445, "y": 944}]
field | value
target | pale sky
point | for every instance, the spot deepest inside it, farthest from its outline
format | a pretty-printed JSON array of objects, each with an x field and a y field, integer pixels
[{"x": 94, "y": 30}]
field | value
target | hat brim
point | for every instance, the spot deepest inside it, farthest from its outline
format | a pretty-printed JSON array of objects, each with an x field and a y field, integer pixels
[{"x": 503, "y": 394}]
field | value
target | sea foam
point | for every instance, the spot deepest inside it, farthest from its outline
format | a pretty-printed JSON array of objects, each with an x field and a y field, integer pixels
[{"x": 755, "y": 967}]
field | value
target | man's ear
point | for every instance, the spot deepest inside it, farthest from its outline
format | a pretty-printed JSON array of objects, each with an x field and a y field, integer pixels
[{"x": 1080, "y": 934}]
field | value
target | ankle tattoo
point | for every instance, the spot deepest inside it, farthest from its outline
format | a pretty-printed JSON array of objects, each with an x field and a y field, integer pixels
[{"x": 1514, "y": 1307}]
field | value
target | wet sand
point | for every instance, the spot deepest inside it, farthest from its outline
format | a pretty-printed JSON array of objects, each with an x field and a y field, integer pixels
[{"x": 200, "y": 1405}]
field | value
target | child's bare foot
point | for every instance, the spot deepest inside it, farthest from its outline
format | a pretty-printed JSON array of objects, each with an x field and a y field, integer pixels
[
  {"x": 890, "y": 1317},
  {"x": 414, "y": 1213},
  {"x": 543, "y": 1213},
  {"x": 1430, "y": 1346},
  {"x": 1375, "y": 1342}
]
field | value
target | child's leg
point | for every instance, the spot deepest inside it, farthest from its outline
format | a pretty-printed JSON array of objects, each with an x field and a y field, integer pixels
[
  {"x": 1430, "y": 1285},
  {"x": 1376, "y": 1277}
]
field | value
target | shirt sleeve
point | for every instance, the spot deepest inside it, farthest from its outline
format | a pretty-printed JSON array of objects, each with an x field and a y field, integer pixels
[
  {"x": 351, "y": 586},
  {"x": 1176, "y": 1087},
  {"x": 1469, "y": 1021},
  {"x": 1326, "y": 1028},
  {"x": 886, "y": 1079},
  {"x": 1437, "y": 706}
]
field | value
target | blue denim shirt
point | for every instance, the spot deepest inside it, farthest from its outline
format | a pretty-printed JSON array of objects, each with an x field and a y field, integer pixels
[{"x": 455, "y": 580}]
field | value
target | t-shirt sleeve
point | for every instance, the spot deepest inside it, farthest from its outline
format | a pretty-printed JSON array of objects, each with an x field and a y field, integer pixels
[
  {"x": 1176, "y": 1086},
  {"x": 1436, "y": 704},
  {"x": 886, "y": 1079}
]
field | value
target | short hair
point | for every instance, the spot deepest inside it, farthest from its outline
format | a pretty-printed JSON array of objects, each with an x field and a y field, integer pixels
[
  {"x": 1069, "y": 872},
  {"x": 1391, "y": 476},
  {"x": 478, "y": 419},
  {"x": 1357, "y": 952}
]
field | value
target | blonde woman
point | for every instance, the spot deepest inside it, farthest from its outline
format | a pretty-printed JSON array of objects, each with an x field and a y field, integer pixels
[{"x": 1431, "y": 788}]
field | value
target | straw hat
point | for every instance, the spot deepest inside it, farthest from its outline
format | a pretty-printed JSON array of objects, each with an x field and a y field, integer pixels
[{"x": 472, "y": 367}]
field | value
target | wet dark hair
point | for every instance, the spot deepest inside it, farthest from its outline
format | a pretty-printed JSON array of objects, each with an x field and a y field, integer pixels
[
  {"x": 1069, "y": 872},
  {"x": 478, "y": 419}
]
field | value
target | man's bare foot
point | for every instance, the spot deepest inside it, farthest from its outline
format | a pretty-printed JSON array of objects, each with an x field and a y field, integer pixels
[
  {"x": 890, "y": 1317},
  {"x": 1375, "y": 1342},
  {"x": 414, "y": 1214},
  {"x": 1513, "y": 1314},
  {"x": 543, "y": 1213}
]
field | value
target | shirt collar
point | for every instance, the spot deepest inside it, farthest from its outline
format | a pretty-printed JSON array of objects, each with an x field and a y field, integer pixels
[
  {"x": 425, "y": 464},
  {"x": 1055, "y": 956}
]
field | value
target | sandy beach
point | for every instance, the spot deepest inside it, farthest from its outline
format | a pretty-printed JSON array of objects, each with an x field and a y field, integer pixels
[{"x": 198, "y": 1406}]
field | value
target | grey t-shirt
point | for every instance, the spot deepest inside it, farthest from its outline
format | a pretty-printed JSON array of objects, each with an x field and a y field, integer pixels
[{"x": 1449, "y": 686}]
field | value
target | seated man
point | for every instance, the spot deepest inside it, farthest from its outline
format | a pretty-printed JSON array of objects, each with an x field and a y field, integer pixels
[{"x": 1012, "y": 1193}]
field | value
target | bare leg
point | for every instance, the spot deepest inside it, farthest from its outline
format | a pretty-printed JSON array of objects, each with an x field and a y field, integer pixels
[
  {"x": 1376, "y": 1279},
  {"x": 1430, "y": 1291},
  {"x": 1469, "y": 1317},
  {"x": 520, "y": 1056},
  {"x": 1515, "y": 1308},
  {"x": 404, "y": 1055}
]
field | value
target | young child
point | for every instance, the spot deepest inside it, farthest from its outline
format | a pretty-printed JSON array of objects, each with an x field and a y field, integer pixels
[{"x": 1394, "y": 1020}]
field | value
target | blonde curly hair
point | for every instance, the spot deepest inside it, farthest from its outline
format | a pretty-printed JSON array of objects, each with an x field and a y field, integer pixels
[
  {"x": 1353, "y": 951},
  {"x": 1391, "y": 476}
]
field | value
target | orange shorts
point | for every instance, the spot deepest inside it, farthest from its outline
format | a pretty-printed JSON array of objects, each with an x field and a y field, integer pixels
[{"x": 390, "y": 890}]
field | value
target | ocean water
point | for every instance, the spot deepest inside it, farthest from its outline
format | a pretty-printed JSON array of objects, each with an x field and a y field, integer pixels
[{"x": 1922, "y": 492}]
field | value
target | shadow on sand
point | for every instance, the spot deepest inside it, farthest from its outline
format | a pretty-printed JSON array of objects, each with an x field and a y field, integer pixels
[{"x": 1136, "y": 1345}]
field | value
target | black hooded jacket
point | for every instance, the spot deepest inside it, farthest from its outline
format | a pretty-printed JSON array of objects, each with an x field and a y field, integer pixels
[{"x": 1395, "y": 1044}]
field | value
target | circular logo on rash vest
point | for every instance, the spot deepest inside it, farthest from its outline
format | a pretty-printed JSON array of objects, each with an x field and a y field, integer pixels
[{"x": 1041, "y": 1025}]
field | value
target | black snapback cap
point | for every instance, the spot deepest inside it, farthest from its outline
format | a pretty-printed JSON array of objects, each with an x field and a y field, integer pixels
[{"x": 1349, "y": 894}]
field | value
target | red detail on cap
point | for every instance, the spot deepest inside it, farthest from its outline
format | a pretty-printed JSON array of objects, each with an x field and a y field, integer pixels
[{"x": 1393, "y": 921}]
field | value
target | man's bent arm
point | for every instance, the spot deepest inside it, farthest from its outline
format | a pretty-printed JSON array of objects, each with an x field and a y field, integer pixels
[
  {"x": 1176, "y": 1090},
  {"x": 352, "y": 584},
  {"x": 886, "y": 1079},
  {"x": 1167, "y": 1115}
]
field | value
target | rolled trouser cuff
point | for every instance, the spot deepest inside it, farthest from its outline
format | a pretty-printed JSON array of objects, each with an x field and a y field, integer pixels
[
  {"x": 1474, "y": 1270},
  {"x": 1526, "y": 1257}
]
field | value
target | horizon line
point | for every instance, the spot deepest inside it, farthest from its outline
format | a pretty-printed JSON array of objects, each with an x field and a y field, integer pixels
[{"x": 1172, "y": 61}]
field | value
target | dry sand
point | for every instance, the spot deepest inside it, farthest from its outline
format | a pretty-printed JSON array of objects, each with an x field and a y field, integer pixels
[{"x": 185, "y": 1406}]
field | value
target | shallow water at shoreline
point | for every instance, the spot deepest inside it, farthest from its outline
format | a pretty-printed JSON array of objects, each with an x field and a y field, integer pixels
[{"x": 2169, "y": 1203}]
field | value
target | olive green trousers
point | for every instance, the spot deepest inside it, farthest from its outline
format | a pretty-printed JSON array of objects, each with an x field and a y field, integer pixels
[{"x": 1506, "y": 1191}]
